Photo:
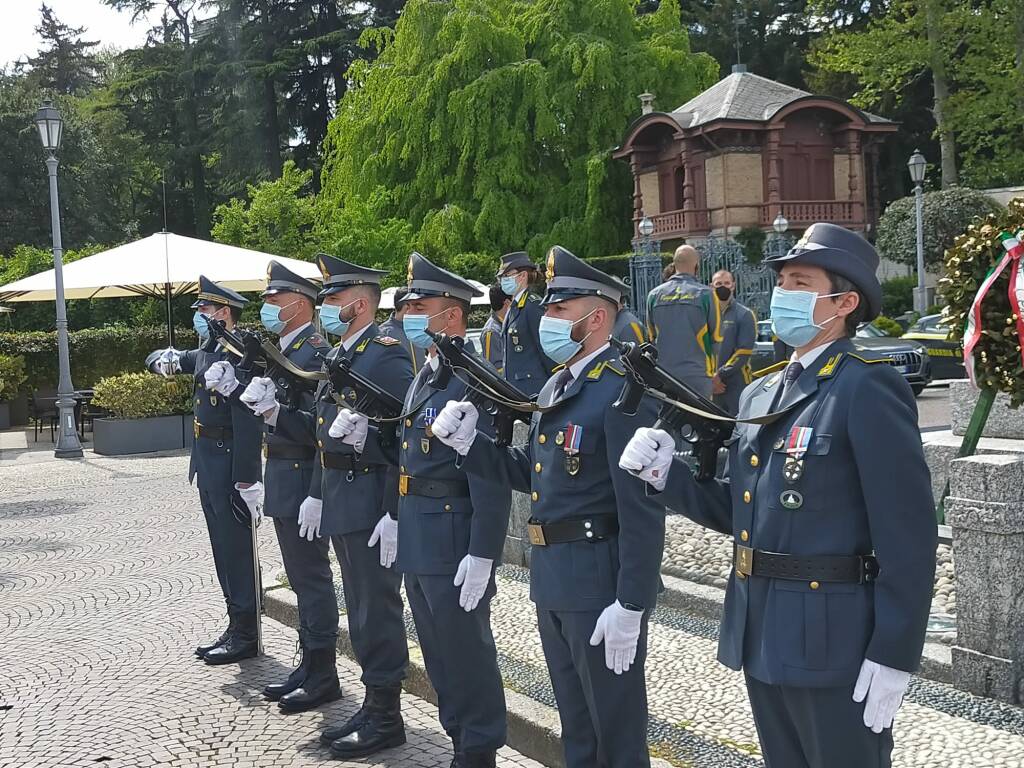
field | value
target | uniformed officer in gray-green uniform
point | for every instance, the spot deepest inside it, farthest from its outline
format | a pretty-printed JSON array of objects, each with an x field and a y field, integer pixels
[
  {"x": 834, "y": 556},
  {"x": 290, "y": 451},
  {"x": 525, "y": 365},
  {"x": 739, "y": 334},
  {"x": 628, "y": 326},
  {"x": 451, "y": 532},
  {"x": 597, "y": 537},
  {"x": 683, "y": 320},
  {"x": 354, "y": 498},
  {"x": 226, "y": 460}
]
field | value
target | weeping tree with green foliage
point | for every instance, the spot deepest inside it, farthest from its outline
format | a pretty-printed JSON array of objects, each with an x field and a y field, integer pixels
[{"x": 488, "y": 125}]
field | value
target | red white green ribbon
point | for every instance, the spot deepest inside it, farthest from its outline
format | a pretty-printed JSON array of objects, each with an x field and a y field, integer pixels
[{"x": 1014, "y": 250}]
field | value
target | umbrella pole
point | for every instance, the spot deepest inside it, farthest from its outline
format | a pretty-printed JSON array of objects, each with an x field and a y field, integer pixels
[{"x": 170, "y": 316}]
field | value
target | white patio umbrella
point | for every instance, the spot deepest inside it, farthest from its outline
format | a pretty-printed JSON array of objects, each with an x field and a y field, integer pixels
[
  {"x": 163, "y": 265},
  {"x": 387, "y": 296}
]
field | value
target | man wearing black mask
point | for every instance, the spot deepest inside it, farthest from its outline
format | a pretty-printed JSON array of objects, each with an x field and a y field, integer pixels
[{"x": 739, "y": 332}]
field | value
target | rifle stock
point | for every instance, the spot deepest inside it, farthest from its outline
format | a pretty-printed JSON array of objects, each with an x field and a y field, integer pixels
[
  {"x": 491, "y": 394},
  {"x": 709, "y": 426}
]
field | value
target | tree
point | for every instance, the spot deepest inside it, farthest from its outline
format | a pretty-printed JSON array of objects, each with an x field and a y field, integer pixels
[
  {"x": 909, "y": 40},
  {"x": 66, "y": 63},
  {"x": 507, "y": 112},
  {"x": 946, "y": 214}
]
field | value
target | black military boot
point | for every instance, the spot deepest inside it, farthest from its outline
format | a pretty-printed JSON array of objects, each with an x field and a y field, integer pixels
[
  {"x": 383, "y": 728},
  {"x": 456, "y": 749},
  {"x": 241, "y": 643},
  {"x": 275, "y": 691},
  {"x": 202, "y": 650},
  {"x": 479, "y": 759},
  {"x": 320, "y": 685},
  {"x": 351, "y": 725}
]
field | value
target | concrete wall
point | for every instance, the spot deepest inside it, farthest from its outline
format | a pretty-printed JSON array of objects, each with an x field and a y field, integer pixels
[{"x": 1003, "y": 195}]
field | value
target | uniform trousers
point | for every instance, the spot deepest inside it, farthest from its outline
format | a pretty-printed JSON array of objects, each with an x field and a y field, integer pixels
[
  {"x": 461, "y": 660},
  {"x": 231, "y": 542},
  {"x": 308, "y": 566},
  {"x": 603, "y": 715},
  {"x": 815, "y": 728},
  {"x": 373, "y": 602}
]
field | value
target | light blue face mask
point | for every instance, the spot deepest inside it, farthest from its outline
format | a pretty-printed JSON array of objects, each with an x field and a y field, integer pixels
[
  {"x": 202, "y": 327},
  {"x": 330, "y": 318},
  {"x": 415, "y": 327},
  {"x": 270, "y": 316},
  {"x": 556, "y": 338},
  {"x": 793, "y": 316},
  {"x": 509, "y": 285}
]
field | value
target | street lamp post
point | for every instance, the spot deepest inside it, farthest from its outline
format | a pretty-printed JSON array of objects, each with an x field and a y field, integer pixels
[
  {"x": 49, "y": 123},
  {"x": 644, "y": 267},
  {"x": 917, "y": 166}
]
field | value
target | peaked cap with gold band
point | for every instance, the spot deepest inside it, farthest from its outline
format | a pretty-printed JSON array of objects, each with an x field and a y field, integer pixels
[
  {"x": 840, "y": 251},
  {"x": 427, "y": 279},
  {"x": 280, "y": 279},
  {"x": 211, "y": 293},
  {"x": 339, "y": 274},
  {"x": 569, "y": 277},
  {"x": 514, "y": 260}
]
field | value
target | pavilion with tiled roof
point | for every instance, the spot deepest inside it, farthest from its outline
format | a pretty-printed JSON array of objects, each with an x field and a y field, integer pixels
[{"x": 747, "y": 149}]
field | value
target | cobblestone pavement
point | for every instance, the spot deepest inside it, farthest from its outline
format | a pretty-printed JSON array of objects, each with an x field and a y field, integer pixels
[{"x": 106, "y": 585}]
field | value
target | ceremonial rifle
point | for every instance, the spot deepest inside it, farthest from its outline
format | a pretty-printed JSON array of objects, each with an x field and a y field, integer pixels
[{"x": 695, "y": 418}]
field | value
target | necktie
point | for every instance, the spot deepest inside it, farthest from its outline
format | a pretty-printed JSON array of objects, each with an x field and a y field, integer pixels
[
  {"x": 793, "y": 371},
  {"x": 562, "y": 383}
]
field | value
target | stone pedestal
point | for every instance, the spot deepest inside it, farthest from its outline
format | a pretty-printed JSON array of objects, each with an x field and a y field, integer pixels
[
  {"x": 517, "y": 543},
  {"x": 986, "y": 513},
  {"x": 1003, "y": 421}
]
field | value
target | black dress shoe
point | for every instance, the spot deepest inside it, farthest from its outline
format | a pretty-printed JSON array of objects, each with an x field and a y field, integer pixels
[
  {"x": 237, "y": 647},
  {"x": 319, "y": 686},
  {"x": 383, "y": 728},
  {"x": 275, "y": 691},
  {"x": 202, "y": 650},
  {"x": 351, "y": 725}
]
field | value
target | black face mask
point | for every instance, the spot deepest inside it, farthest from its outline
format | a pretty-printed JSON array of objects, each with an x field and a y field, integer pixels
[{"x": 723, "y": 293}]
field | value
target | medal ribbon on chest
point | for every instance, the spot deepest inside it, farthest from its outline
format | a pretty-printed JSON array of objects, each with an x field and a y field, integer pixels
[
  {"x": 571, "y": 447},
  {"x": 796, "y": 446}
]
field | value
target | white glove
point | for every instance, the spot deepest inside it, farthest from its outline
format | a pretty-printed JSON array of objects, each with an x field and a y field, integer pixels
[
  {"x": 169, "y": 362},
  {"x": 253, "y": 498},
  {"x": 648, "y": 455},
  {"x": 349, "y": 427},
  {"x": 619, "y": 628},
  {"x": 386, "y": 533},
  {"x": 473, "y": 576},
  {"x": 310, "y": 512},
  {"x": 455, "y": 426},
  {"x": 220, "y": 377},
  {"x": 260, "y": 395},
  {"x": 884, "y": 688}
]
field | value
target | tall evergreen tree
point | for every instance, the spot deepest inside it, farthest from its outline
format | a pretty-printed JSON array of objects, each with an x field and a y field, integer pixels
[{"x": 65, "y": 64}]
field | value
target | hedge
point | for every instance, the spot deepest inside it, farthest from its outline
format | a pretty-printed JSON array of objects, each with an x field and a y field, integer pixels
[
  {"x": 141, "y": 395},
  {"x": 95, "y": 352}
]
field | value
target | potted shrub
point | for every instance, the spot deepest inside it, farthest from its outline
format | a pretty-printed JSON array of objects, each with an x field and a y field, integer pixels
[
  {"x": 148, "y": 413},
  {"x": 13, "y": 403}
]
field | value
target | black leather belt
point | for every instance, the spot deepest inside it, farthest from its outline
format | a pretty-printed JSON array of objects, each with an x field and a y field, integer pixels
[
  {"x": 596, "y": 528},
  {"x": 856, "y": 569},
  {"x": 347, "y": 462},
  {"x": 434, "y": 489},
  {"x": 293, "y": 452},
  {"x": 213, "y": 433}
]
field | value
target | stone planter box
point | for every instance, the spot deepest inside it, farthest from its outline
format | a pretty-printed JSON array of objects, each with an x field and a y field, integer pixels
[
  {"x": 119, "y": 437},
  {"x": 14, "y": 413}
]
